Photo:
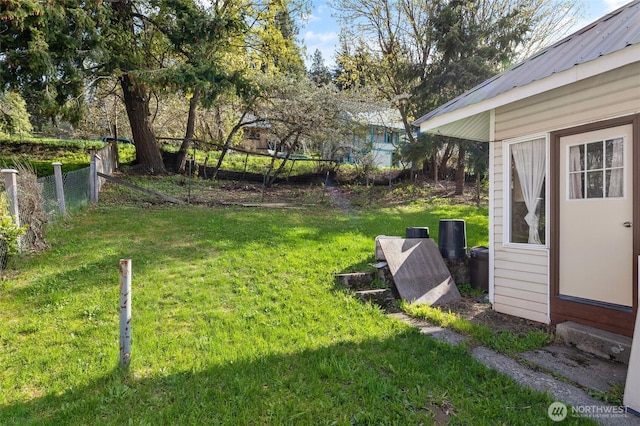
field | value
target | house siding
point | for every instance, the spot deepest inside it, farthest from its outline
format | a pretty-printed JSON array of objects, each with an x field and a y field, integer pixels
[{"x": 521, "y": 277}]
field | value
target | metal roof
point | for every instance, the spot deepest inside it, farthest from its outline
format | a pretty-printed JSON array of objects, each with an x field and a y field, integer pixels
[
  {"x": 388, "y": 117},
  {"x": 611, "y": 33}
]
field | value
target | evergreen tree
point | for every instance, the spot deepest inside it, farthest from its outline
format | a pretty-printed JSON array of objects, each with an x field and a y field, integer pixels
[
  {"x": 319, "y": 72},
  {"x": 14, "y": 118},
  {"x": 355, "y": 65}
]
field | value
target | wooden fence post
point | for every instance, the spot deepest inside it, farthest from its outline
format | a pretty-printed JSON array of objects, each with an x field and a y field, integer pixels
[
  {"x": 11, "y": 186},
  {"x": 125, "y": 312},
  {"x": 93, "y": 176},
  {"x": 57, "y": 172}
]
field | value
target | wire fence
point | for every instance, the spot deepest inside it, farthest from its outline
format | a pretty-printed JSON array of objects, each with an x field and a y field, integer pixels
[
  {"x": 69, "y": 192},
  {"x": 76, "y": 188}
]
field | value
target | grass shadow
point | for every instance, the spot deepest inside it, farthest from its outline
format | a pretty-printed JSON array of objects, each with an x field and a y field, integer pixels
[{"x": 404, "y": 379}]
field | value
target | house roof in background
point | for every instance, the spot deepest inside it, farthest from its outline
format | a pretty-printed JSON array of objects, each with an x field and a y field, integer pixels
[
  {"x": 252, "y": 121},
  {"x": 376, "y": 114},
  {"x": 611, "y": 33},
  {"x": 389, "y": 118}
]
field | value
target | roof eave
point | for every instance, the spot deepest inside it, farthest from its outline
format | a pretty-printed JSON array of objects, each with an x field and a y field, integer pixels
[
  {"x": 446, "y": 121},
  {"x": 474, "y": 128}
]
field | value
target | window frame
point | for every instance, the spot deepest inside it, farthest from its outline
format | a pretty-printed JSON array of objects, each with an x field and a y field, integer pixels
[{"x": 506, "y": 207}]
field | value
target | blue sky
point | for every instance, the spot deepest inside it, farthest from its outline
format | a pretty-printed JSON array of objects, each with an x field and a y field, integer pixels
[{"x": 321, "y": 30}]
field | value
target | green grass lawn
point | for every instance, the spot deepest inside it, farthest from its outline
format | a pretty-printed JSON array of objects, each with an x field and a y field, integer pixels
[{"x": 237, "y": 320}]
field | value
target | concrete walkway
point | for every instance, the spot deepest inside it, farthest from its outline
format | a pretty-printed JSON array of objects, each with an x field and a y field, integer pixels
[{"x": 563, "y": 372}]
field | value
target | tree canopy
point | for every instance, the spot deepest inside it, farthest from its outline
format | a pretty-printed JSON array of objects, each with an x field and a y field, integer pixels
[{"x": 52, "y": 51}]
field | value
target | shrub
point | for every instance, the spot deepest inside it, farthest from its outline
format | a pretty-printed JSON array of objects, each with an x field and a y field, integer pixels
[
  {"x": 9, "y": 231},
  {"x": 31, "y": 202}
]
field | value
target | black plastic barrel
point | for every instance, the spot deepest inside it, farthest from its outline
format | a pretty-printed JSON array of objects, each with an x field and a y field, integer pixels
[
  {"x": 479, "y": 268},
  {"x": 452, "y": 239},
  {"x": 417, "y": 232}
]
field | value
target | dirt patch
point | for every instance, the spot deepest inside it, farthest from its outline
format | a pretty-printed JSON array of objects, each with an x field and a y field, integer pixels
[
  {"x": 479, "y": 311},
  {"x": 312, "y": 193}
]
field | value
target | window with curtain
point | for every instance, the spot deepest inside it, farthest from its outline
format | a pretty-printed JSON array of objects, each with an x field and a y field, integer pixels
[
  {"x": 596, "y": 169},
  {"x": 527, "y": 191}
]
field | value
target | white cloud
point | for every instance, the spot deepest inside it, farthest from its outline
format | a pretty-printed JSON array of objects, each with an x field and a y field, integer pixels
[
  {"x": 594, "y": 10},
  {"x": 611, "y": 5},
  {"x": 322, "y": 8},
  {"x": 320, "y": 38},
  {"x": 325, "y": 42}
]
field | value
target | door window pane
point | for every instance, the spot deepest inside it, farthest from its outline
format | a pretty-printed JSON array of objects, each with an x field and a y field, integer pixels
[
  {"x": 596, "y": 170},
  {"x": 615, "y": 179},
  {"x": 576, "y": 160},
  {"x": 594, "y": 156},
  {"x": 594, "y": 184},
  {"x": 614, "y": 153}
]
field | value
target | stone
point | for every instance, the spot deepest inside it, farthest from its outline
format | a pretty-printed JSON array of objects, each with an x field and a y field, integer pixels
[{"x": 356, "y": 280}]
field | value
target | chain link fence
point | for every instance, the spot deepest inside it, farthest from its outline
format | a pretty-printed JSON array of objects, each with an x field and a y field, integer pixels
[
  {"x": 76, "y": 188},
  {"x": 71, "y": 191}
]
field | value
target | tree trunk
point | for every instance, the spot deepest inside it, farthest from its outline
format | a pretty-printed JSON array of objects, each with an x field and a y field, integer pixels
[
  {"x": 426, "y": 166},
  {"x": 460, "y": 169},
  {"x": 223, "y": 153},
  {"x": 136, "y": 99},
  {"x": 227, "y": 142},
  {"x": 272, "y": 178},
  {"x": 181, "y": 156},
  {"x": 478, "y": 189},
  {"x": 442, "y": 169},
  {"x": 406, "y": 122},
  {"x": 289, "y": 149},
  {"x": 137, "y": 104},
  {"x": 434, "y": 165}
]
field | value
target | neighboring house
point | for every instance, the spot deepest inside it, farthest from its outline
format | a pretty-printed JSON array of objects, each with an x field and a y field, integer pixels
[
  {"x": 379, "y": 138},
  {"x": 255, "y": 136},
  {"x": 564, "y": 134}
]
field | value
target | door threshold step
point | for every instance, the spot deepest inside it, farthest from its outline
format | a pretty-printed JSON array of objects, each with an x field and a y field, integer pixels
[{"x": 597, "y": 342}]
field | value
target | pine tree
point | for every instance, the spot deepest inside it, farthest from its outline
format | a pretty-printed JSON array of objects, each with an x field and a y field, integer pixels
[{"x": 319, "y": 72}]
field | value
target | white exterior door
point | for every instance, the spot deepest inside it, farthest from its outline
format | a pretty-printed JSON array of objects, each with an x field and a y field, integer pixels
[{"x": 596, "y": 213}]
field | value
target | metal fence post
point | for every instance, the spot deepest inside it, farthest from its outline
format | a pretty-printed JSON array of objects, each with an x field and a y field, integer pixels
[
  {"x": 11, "y": 186},
  {"x": 125, "y": 312},
  {"x": 57, "y": 171}
]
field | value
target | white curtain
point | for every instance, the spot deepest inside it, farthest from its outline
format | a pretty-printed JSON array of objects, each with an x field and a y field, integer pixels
[
  {"x": 575, "y": 173},
  {"x": 529, "y": 159},
  {"x": 616, "y": 180}
]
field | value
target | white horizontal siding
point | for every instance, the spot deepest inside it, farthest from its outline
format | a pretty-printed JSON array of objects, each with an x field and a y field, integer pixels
[
  {"x": 506, "y": 266},
  {"x": 523, "y": 309},
  {"x": 517, "y": 258},
  {"x": 520, "y": 275},
  {"x": 510, "y": 293},
  {"x": 521, "y": 282}
]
